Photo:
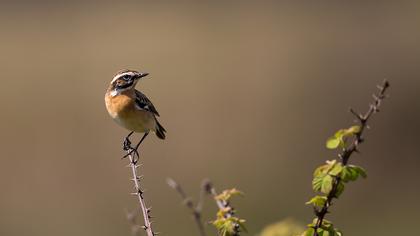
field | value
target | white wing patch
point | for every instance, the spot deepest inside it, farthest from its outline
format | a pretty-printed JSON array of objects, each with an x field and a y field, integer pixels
[{"x": 144, "y": 108}]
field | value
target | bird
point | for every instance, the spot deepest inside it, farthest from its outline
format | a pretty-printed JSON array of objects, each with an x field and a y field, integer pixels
[{"x": 131, "y": 108}]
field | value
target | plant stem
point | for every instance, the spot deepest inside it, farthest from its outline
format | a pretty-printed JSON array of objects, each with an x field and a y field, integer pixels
[
  {"x": 196, "y": 211},
  {"x": 139, "y": 193},
  {"x": 347, "y": 152}
]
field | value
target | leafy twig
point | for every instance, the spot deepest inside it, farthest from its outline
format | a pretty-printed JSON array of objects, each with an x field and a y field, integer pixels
[
  {"x": 344, "y": 156},
  {"x": 226, "y": 223},
  {"x": 196, "y": 211}
]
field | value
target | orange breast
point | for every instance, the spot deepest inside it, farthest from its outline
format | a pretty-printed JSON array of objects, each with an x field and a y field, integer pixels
[{"x": 123, "y": 110}]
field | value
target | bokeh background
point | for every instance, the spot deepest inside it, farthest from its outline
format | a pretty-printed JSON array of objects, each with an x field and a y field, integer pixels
[{"x": 248, "y": 91}]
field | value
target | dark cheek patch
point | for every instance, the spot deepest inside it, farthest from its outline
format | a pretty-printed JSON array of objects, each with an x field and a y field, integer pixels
[{"x": 123, "y": 85}]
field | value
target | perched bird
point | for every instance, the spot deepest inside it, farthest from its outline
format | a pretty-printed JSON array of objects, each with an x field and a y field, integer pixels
[{"x": 130, "y": 108}]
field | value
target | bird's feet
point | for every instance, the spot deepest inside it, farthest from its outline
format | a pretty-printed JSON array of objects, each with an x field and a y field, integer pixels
[
  {"x": 130, "y": 149},
  {"x": 127, "y": 144},
  {"x": 132, "y": 152}
]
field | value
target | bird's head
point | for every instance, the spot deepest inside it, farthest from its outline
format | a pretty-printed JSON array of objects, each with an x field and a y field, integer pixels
[{"x": 125, "y": 80}]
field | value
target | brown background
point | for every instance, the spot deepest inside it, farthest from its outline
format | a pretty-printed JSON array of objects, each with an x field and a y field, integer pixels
[{"x": 248, "y": 92}]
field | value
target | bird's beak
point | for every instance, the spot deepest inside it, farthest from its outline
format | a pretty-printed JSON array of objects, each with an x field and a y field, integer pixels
[{"x": 141, "y": 75}]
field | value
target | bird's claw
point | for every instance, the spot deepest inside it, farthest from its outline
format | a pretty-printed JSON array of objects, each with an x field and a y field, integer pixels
[
  {"x": 131, "y": 151},
  {"x": 127, "y": 144}
]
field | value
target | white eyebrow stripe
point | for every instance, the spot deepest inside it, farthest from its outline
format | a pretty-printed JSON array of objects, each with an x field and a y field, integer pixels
[{"x": 121, "y": 75}]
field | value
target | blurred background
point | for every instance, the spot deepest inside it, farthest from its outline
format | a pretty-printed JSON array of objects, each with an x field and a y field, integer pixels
[{"x": 248, "y": 91}]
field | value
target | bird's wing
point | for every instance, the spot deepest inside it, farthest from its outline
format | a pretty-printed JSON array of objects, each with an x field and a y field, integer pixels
[{"x": 143, "y": 103}]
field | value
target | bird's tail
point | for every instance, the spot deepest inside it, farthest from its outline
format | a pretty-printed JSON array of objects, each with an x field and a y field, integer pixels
[{"x": 160, "y": 131}]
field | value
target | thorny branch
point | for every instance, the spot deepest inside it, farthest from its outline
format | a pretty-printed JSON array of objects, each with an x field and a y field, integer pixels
[
  {"x": 196, "y": 211},
  {"x": 133, "y": 157},
  {"x": 348, "y": 151}
]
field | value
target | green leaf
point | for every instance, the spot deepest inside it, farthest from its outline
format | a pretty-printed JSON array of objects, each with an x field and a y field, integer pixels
[
  {"x": 338, "y": 233},
  {"x": 318, "y": 201},
  {"x": 326, "y": 184},
  {"x": 322, "y": 232},
  {"x": 340, "y": 189},
  {"x": 336, "y": 169},
  {"x": 227, "y": 194},
  {"x": 326, "y": 229},
  {"x": 353, "y": 130},
  {"x": 361, "y": 171},
  {"x": 309, "y": 232},
  {"x": 338, "y": 139},
  {"x": 340, "y": 133},
  {"x": 326, "y": 225},
  {"x": 325, "y": 169},
  {"x": 317, "y": 183},
  {"x": 322, "y": 170},
  {"x": 225, "y": 227},
  {"x": 333, "y": 142},
  {"x": 351, "y": 173}
]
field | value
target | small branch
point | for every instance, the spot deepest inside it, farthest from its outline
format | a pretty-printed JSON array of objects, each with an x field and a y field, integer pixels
[
  {"x": 222, "y": 205},
  {"x": 347, "y": 152},
  {"x": 200, "y": 202},
  {"x": 133, "y": 158},
  {"x": 196, "y": 211}
]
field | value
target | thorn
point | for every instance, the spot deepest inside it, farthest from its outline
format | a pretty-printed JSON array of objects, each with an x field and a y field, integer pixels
[
  {"x": 148, "y": 209},
  {"x": 137, "y": 165},
  {"x": 134, "y": 193},
  {"x": 137, "y": 178},
  {"x": 144, "y": 227}
]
